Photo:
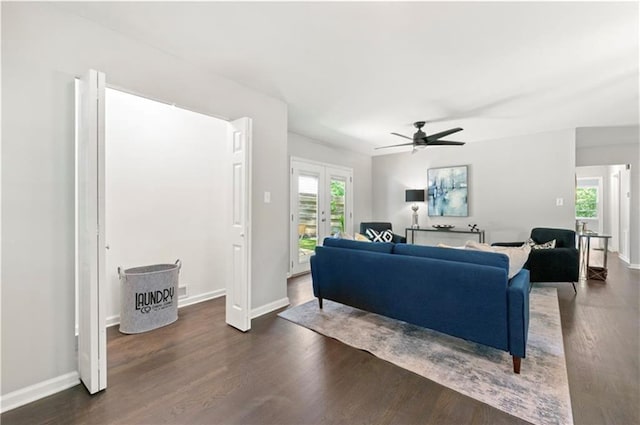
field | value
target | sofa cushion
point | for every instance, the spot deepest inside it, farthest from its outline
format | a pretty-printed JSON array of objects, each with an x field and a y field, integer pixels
[
  {"x": 564, "y": 238},
  {"x": 461, "y": 255},
  {"x": 383, "y": 247},
  {"x": 546, "y": 245},
  {"x": 518, "y": 256},
  {"x": 343, "y": 235},
  {"x": 361, "y": 238}
]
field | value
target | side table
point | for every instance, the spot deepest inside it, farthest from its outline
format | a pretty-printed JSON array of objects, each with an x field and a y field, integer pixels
[{"x": 584, "y": 247}]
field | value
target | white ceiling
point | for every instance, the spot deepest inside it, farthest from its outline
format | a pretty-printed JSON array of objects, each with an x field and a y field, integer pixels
[{"x": 352, "y": 73}]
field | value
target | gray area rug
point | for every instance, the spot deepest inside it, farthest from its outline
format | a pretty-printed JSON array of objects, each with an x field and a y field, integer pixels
[{"x": 539, "y": 394}]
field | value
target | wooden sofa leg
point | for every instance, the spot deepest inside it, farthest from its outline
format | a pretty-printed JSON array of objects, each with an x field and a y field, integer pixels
[
  {"x": 516, "y": 364},
  {"x": 320, "y": 303}
]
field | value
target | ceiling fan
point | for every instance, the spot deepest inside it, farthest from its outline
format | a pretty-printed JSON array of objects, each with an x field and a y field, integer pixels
[{"x": 422, "y": 140}]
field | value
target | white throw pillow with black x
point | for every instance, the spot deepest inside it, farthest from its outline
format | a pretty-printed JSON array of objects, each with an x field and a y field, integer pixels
[{"x": 383, "y": 236}]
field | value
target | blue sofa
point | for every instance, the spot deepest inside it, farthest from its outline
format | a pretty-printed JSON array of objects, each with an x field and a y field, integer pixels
[{"x": 461, "y": 293}]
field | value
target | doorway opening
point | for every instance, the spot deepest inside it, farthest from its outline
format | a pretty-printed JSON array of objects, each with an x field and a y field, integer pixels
[
  {"x": 156, "y": 183},
  {"x": 165, "y": 176},
  {"x": 603, "y": 204},
  {"x": 321, "y": 206}
]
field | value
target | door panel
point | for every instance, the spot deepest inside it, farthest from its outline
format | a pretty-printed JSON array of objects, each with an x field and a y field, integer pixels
[
  {"x": 92, "y": 342},
  {"x": 339, "y": 200},
  {"x": 238, "y": 285},
  {"x": 307, "y": 205}
]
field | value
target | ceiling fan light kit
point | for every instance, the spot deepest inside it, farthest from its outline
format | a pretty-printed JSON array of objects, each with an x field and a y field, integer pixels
[{"x": 421, "y": 140}]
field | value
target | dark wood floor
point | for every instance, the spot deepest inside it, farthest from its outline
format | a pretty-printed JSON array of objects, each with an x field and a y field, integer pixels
[{"x": 200, "y": 371}]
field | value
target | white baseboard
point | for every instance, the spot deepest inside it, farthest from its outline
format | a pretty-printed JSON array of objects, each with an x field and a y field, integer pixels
[
  {"x": 113, "y": 320},
  {"x": 182, "y": 302},
  {"x": 624, "y": 258},
  {"x": 37, "y": 391},
  {"x": 634, "y": 266},
  {"x": 268, "y": 308}
]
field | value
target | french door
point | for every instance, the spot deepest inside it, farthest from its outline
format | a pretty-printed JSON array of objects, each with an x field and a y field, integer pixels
[{"x": 321, "y": 206}]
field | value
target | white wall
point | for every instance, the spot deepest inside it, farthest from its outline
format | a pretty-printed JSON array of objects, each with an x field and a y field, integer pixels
[
  {"x": 165, "y": 176},
  {"x": 616, "y": 145},
  {"x": 513, "y": 184},
  {"x": 43, "y": 49},
  {"x": 306, "y": 148}
]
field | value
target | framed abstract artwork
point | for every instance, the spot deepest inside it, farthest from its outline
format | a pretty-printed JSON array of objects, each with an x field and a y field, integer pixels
[{"x": 447, "y": 192}]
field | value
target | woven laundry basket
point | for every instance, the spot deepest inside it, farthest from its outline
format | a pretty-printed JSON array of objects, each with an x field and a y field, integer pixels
[{"x": 148, "y": 297}]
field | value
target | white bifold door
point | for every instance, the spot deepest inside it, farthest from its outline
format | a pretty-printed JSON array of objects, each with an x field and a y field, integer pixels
[
  {"x": 90, "y": 232},
  {"x": 321, "y": 206},
  {"x": 238, "y": 257}
]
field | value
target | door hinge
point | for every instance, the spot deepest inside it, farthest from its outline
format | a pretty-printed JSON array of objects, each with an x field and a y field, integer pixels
[
  {"x": 292, "y": 171},
  {"x": 291, "y": 217},
  {"x": 350, "y": 179},
  {"x": 292, "y": 265}
]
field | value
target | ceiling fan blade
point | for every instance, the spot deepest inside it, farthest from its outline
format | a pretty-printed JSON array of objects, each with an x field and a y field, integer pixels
[
  {"x": 393, "y": 146},
  {"x": 442, "y": 134},
  {"x": 444, "y": 143},
  {"x": 402, "y": 135}
]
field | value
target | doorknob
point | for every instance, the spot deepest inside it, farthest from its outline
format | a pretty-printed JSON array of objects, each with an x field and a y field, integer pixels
[
  {"x": 107, "y": 247},
  {"x": 242, "y": 235}
]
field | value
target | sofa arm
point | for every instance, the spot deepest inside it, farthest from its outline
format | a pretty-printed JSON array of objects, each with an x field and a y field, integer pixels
[
  {"x": 518, "y": 244},
  {"x": 398, "y": 239},
  {"x": 554, "y": 265},
  {"x": 518, "y": 300}
]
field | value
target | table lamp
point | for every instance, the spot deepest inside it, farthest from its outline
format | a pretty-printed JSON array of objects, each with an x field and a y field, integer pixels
[{"x": 414, "y": 195}]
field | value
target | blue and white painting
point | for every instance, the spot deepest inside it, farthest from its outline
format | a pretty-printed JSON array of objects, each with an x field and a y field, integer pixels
[{"x": 448, "y": 192}]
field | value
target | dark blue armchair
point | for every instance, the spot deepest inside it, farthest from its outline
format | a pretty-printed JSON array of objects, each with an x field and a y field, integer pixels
[
  {"x": 380, "y": 226},
  {"x": 559, "y": 264}
]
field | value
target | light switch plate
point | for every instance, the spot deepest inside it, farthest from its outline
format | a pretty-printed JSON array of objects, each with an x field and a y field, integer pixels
[
  {"x": 559, "y": 202},
  {"x": 267, "y": 197}
]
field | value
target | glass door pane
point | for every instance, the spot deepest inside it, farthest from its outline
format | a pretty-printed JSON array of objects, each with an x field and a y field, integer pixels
[
  {"x": 307, "y": 216},
  {"x": 337, "y": 201}
]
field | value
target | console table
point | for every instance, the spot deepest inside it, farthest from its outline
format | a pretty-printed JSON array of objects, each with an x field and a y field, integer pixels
[{"x": 412, "y": 230}]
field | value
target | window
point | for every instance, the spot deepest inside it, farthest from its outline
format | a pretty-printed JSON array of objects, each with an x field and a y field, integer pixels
[{"x": 587, "y": 201}]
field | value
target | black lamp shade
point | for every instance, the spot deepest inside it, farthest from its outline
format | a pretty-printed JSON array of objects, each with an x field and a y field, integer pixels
[{"x": 414, "y": 195}]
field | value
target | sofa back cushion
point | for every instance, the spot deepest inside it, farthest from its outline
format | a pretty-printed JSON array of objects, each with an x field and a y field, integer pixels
[
  {"x": 461, "y": 255},
  {"x": 378, "y": 226},
  {"x": 564, "y": 238},
  {"x": 382, "y": 247}
]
